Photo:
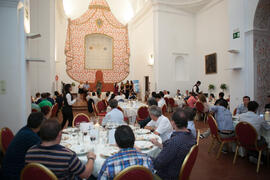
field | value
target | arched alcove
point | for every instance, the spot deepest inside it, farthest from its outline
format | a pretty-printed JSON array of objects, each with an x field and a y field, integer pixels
[
  {"x": 181, "y": 69},
  {"x": 262, "y": 52}
]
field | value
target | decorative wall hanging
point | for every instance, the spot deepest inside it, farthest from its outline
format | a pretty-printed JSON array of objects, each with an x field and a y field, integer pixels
[{"x": 97, "y": 41}]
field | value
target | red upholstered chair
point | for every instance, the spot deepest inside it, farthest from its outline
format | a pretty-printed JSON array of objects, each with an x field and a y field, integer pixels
[
  {"x": 135, "y": 173},
  {"x": 101, "y": 107},
  {"x": 200, "y": 111},
  {"x": 6, "y": 137},
  {"x": 234, "y": 111},
  {"x": 34, "y": 171},
  {"x": 96, "y": 113},
  {"x": 79, "y": 118},
  {"x": 54, "y": 110},
  {"x": 164, "y": 109},
  {"x": 142, "y": 113},
  {"x": 247, "y": 137},
  {"x": 215, "y": 135},
  {"x": 171, "y": 104},
  {"x": 188, "y": 163},
  {"x": 125, "y": 118},
  {"x": 105, "y": 102}
]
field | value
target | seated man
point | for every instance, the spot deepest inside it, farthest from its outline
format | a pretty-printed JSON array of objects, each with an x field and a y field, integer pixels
[
  {"x": 255, "y": 120},
  {"x": 150, "y": 102},
  {"x": 13, "y": 161},
  {"x": 127, "y": 156},
  {"x": 221, "y": 98},
  {"x": 242, "y": 108},
  {"x": 267, "y": 106},
  {"x": 224, "y": 121},
  {"x": 120, "y": 96},
  {"x": 191, "y": 112},
  {"x": 63, "y": 162},
  {"x": 159, "y": 124},
  {"x": 160, "y": 99},
  {"x": 95, "y": 98},
  {"x": 169, "y": 161},
  {"x": 115, "y": 115}
]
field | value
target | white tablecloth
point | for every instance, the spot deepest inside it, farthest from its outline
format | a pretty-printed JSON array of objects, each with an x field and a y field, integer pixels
[
  {"x": 179, "y": 102},
  {"x": 98, "y": 148}
]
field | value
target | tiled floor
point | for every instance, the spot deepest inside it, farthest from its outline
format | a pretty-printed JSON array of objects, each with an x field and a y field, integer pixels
[{"x": 208, "y": 168}]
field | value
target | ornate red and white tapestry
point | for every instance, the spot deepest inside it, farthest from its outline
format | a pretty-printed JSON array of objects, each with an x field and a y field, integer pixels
[{"x": 97, "y": 42}]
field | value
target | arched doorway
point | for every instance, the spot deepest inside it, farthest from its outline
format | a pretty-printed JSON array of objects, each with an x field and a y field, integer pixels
[{"x": 262, "y": 52}]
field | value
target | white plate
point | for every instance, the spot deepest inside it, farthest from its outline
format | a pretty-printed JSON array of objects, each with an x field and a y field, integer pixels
[
  {"x": 143, "y": 145},
  {"x": 65, "y": 137},
  {"x": 146, "y": 137},
  {"x": 142, "y": 131}
]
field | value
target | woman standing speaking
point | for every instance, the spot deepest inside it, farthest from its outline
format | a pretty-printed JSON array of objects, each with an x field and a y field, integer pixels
[{"x": 67, "y": 108}]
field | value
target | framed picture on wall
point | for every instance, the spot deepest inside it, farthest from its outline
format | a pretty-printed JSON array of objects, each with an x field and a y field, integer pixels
[{"x": 211, "y": 63}]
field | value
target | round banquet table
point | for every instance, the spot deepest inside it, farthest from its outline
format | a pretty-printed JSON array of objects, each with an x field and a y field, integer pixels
[{"x": 99, "y": 146}]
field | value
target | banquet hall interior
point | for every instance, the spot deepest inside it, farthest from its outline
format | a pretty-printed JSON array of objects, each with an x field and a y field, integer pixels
[{"x": 79, "y": 55}]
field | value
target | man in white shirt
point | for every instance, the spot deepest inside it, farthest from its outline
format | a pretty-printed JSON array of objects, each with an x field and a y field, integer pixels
[
  {"x": 95, "y": 98},
  {"x": 115, "y": 115},
  {"x": 159, "y": 124},
  {"x": 120, "y": 97},
  {"x": 167, "y": 95},
  {"x": 161, "y": 101},
  {"x": 255, "y": 120}
]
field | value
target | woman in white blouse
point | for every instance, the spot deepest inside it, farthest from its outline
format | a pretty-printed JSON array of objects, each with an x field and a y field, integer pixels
[{"x": 67, "y": 108}]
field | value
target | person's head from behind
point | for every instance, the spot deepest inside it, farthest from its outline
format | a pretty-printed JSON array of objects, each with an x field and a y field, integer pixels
[
  {"x": 168, "y": 92},
  {"x": 158, "y": 97},
  {"x": 161, "y": 94},
  {"x": 221, "y": 95},
  {"x": 37, "y": 95},
  {"x": 56, "y": 93},
  {"x": 50, "y": 130},
  {"x": 152, "y": 101},
  {"x": 179, "y": 119},
  {"x": 108, "y": 94},
  {"x": 212, "y": 96},
  {"x": 155, "y": 112},
  {"x": 154, "y": 94},
  {"x": 198, "y": 83},
  {"x": 124, "y": 137},
  {"x": 113, "y": 103},
  {"x": 190, "y": 112},
  {"x": 93, "y": 94},
  {"x": 253, "y": 106},
  {"x": 67, "y": 88},
  {"x": 202, "y": 98},
  {"x": 246, "y": 100},
  {"x": 44, "y": 95},
  {"x": 35, "y": 120},
  {"x": 47, "y": 111},
  {"x": 223, "y": 103},
  {"x": 48, "y": 95}
]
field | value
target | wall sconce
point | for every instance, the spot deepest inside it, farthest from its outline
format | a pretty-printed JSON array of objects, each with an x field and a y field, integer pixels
[{"x": 151, "y": 60}]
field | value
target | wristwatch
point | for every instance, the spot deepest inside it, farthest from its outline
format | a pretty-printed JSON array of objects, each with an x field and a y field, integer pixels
[{"x": 91, "y": 158}]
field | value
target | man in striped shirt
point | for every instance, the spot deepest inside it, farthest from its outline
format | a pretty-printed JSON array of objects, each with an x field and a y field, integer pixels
[
  {"x": 63, "y": 162},
  {"x": 127, "y": 156}
]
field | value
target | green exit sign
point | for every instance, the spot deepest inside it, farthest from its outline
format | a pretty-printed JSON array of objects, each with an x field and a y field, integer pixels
[{"x": 236, "y": 35}]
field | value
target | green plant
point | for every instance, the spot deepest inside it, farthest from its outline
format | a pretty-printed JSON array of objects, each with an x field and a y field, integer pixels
[
  {"x": 73, "y": 84},
  {"x": 211, "y": 87},
  {"x": 223, "y": 87}
]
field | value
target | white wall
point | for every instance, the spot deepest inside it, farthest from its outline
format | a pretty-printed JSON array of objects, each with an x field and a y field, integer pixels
[
  {"x": 211, "y": 32},
  {"x": 174, "y": 37},
  {"x": 141, "y": 45},
  {"x": 15, "y": 103}
]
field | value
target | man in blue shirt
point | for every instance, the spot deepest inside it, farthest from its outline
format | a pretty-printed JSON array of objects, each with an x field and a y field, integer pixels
[
  {"x": 242, "y": 108},
  {"x": 13, "y": 161},
  {"x": 169, "y": 161},
  {"x": 127, "y": 156}
]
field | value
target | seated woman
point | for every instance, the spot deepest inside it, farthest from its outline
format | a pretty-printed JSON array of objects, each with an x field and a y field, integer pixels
[{"x": 202, "y": 99}]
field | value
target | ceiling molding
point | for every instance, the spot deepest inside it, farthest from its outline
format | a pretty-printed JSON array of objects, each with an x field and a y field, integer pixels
[{"x": 9, "y": 3}]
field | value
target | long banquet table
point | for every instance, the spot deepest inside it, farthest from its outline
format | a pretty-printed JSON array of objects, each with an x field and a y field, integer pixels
[{"x": 81, "y": 144}]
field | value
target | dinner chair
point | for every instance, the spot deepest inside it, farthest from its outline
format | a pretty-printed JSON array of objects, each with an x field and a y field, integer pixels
[
  {"x": 34, "y": 171},
  {"x": 6, "y": 137},
  {"x": 247, "y": 137},
  {"x": 79, "y": 118},
  {"x": 34, "y": 110},
  {"x": 188, "y": 163},
  {"x": 164, "y": 109},
  {"x": 200, "y": 111},
  {"x": 216, "y": 137},
  {"x": 198, "y": 136},
  {"x": 171, "y": 104},
  {"x": 135, "y": 172},
  {"x": 54, "y": 110},
  {"x": 96, "y": 113},
  {"x": 142, "y": 113},
  {"x": 166, "y": 101},
  {"x": 101, "y": 107},
  {"x": 234, "y": 111}
]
